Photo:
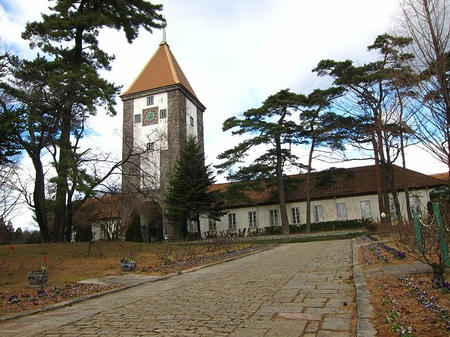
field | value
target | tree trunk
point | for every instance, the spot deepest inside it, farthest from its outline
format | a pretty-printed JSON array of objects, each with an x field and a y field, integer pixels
[
  {"x": 281, "y": 191},
  {"x": 402, "y": 152},
  {"x": 308, "y": 188},
  {"x": 63, "y": 172},
  {"x": 381, "y": 205},
  {"x": 39, "y": 200}
]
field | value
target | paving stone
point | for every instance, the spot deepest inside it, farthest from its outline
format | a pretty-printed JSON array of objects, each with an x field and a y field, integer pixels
[
  {"x": 335, "y": 323},
  {"x": 312, "y": 327},
  {"x": 327, "y": 333}
]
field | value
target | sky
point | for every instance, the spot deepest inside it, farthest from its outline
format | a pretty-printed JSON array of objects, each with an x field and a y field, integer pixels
[{"x": 235, "y": 53}]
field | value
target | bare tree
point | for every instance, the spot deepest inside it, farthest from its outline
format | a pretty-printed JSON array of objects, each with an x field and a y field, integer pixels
[
  {"x": 9, "y": 196},
  {"x": 428, "y": 23}
]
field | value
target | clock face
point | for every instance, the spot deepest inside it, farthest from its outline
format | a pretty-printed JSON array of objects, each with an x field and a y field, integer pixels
[{"x": 150, "y": 116}]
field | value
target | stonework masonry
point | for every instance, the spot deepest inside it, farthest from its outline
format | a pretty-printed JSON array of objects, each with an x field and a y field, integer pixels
[{"x": 176, "y": 137}]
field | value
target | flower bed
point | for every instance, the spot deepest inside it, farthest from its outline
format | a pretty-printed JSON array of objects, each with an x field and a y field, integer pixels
[
  {"x": 169, "y": 263},
  {"x": 373, "y": 249},
  {"x": 408, "y": 307},
  {"x": 26, "y": 299},
  {"x": 429, "y": 302}
]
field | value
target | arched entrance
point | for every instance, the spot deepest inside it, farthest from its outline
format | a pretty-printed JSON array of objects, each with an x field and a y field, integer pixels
[{"x": 151, "y": 221}]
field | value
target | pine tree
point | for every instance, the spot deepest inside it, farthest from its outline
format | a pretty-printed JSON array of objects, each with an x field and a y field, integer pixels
[
  {"x": 372, "y": 99},
  {"x": 268, "y": 126},
  {"x": 188, "y": 196},
  {"x": 322, "y": 128},
  {"x": 69, "y": 36}
]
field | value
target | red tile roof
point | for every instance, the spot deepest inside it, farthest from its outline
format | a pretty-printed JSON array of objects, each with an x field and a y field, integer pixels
[
  {"x": 332, "y": 183},
  {"x": 442, "y": 175},
  {"x": 161, "y": 70}
]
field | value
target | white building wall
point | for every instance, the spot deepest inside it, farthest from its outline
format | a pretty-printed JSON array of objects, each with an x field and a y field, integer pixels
[
  {"x": 353, "y": 206},
  {"x": 191, "y": 112},
  {"x": 153, "y": 133}
]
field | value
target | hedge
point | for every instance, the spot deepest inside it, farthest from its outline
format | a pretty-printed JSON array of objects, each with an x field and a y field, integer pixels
[{"x": 320, "y": 226}]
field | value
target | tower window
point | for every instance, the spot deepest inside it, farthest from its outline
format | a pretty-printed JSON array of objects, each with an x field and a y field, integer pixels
[
  {"x": 163, "y": 113},
  {"x": 137, "y": 118},
  {"x": 191, "y": 120},
  {"x": 150, "y": 146},
  {"x": 150, "y": 100}
]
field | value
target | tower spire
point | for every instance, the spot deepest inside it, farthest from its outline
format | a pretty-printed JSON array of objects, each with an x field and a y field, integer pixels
[{"x": 164, "y": 25}]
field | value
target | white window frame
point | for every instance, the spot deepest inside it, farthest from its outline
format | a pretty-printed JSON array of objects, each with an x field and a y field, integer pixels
[
  {"x": 191, "y": 120},
  {"x": 414, "y": 204},
  {"x": 318, "y": 213},
  {"x": 341, "y": 217},
  {"x": 150, "y": 146},
  {"x": 212, "y": 225},
  {"x": 295, "y": 214},
  {"x": 137, "y": 118},
  {"x": 163, "y": 113},
  {"x": 252, "y": 219},
  {"x": 273, "y": 216},
  {"x": 369, "y": 214},
  {"x": 232, "y": 221},
  {"x": 392, "y": 209},
  {"x": 150, "y": 100}
]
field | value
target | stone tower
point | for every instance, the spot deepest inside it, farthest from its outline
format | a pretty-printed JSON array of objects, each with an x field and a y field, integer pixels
[{"x": 160, "y": 111}]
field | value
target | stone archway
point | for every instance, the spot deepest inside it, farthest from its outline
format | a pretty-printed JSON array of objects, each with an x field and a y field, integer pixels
[{"x": 150, "y": 213}]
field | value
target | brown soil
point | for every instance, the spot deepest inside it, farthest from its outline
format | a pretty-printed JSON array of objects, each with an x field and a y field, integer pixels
[
  {"x": 29, "y": 299},
  {"x": 388, "y": 293},
  {"x": 368, "y": 259},
  {"x": 68, "y": 263}
]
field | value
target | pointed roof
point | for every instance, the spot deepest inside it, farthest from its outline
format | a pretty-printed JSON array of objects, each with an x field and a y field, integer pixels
[{"x": 160, "y": 71}]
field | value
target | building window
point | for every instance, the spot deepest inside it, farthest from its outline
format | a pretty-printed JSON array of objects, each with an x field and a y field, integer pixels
[
  {"x": 252, "y": 219},
  {"x": 273, "y": 214},
  {"x": 414, "y": 204},
  {"x": 192, "y": 226},
  {"x": 318, "y": 213},
  {"x": 137, "y": 118},
  {"x": 150, "y": 146},
  {"x": 191, "y": 120},
  {"x": 212, "y": 224},
  {"x": 150, "y": 100},
  {"x": 231, "y": 220},
  {"x": 392, "y": 208},
  {"x": 163, "y": 113},
  {"x": 366, "y": 211},
  {"x": 341, "y": 210},
  {"x": 295, "y": 216}
]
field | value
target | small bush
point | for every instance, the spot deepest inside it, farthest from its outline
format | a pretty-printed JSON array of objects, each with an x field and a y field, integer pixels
[
  {"x": 134, "y": 230},
  {"x": 84, "y": 234},
  {"x": 321, "y": 226}
]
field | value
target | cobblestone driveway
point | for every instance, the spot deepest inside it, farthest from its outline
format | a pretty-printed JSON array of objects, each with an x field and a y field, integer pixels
[{"x": 302, "y": 289}]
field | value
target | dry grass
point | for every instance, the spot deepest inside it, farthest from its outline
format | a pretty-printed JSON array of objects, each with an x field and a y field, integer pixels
[{"x": 68, "y": 262}]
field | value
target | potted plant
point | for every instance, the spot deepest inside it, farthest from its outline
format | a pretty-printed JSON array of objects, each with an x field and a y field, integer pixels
[
  {"x": 38, "y": 278},
  {"x": 128, "y": 264}
]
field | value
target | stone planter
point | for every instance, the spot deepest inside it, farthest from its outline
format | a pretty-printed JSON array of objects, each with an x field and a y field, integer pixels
[
  {"x": 37, "y": 278},
  {"x": 128, "y": 265}
]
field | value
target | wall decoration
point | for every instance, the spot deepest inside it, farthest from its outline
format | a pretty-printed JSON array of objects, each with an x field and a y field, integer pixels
[{"x": 150, "y": 116}]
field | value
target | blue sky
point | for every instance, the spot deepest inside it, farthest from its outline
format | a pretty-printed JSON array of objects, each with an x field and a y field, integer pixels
[{"x": 234, "y": 53}]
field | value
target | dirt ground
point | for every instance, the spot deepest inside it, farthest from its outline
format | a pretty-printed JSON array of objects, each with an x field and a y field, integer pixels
[
  {"x": 390, "y": 293},
  {"x": 68, "y": 263},
  {"x": 397, "y": 310}
]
